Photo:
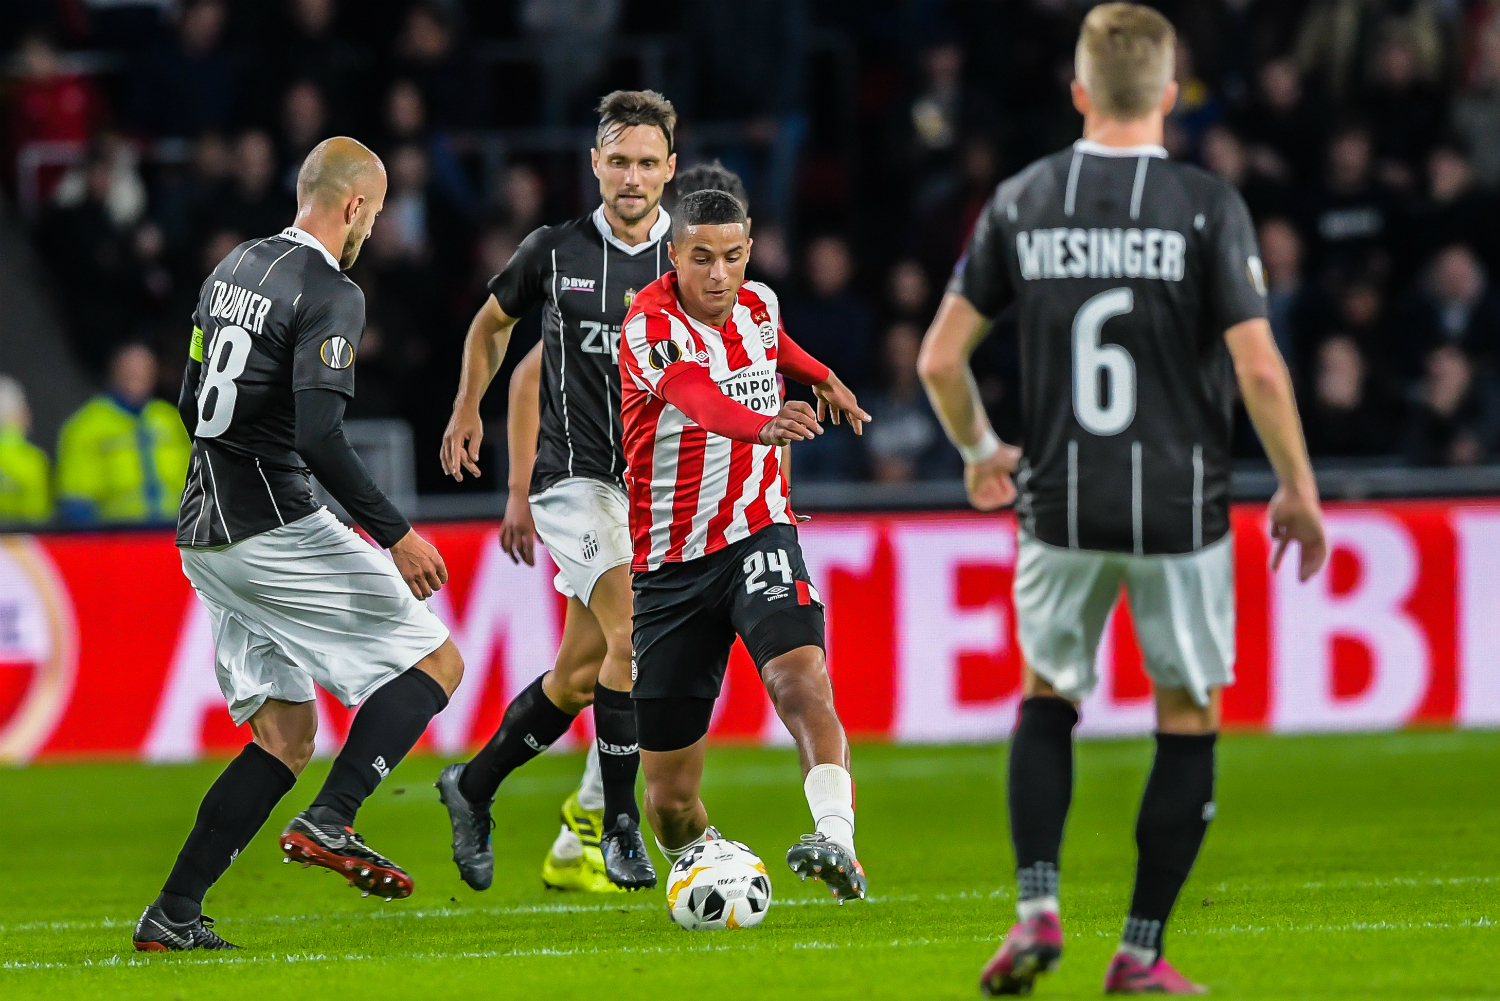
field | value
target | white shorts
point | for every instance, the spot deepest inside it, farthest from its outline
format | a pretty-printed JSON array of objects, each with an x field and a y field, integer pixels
[
  {"x": 310, "y": 603},
  {"x": 1182, "y": 606},
  {"x": 586, "y": 528}
]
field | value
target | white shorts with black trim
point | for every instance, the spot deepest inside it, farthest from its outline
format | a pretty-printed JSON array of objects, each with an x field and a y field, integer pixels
[
  {"x": 309, "y": 603},
  {"x": 1182, "y": 606},
  {"x": 584, "y": 524}
]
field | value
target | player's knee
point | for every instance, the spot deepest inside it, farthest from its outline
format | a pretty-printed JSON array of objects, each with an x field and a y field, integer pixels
[
  {"x": 617, "y": 640},
  {"x": 798, "y": 682},
  {"x": 294, "y": 750},
  {"x": 672, "y": 800}
]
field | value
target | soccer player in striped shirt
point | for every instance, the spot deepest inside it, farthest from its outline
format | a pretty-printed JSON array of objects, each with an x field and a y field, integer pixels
[{"x": 714, "y": 536}]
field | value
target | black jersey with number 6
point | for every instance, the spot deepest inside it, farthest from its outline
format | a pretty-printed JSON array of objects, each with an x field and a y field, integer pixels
[
  {"x": 1125, "y": 270},
  {"x": 276, "y": 316},
  {"x": 584, "y": 277}
]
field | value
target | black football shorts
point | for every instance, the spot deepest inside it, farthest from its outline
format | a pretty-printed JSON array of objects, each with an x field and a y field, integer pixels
[{"x": 688, "y": 614}]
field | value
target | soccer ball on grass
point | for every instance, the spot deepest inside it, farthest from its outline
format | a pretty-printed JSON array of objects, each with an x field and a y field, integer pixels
[{"x": 718, "y": 884}]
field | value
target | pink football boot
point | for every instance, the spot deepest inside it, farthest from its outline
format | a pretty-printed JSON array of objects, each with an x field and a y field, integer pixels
[
  {"x": 1128, "y": 975},
  {"x": 1031, "y": 947}
]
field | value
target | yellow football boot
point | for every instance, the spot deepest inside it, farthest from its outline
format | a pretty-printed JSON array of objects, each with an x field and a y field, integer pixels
[{"x": 584, "y": 872}]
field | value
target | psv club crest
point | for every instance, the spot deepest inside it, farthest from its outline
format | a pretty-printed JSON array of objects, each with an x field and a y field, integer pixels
[
  {"x": 762, "y": 320},
  {"x": 38, "y": 648}
]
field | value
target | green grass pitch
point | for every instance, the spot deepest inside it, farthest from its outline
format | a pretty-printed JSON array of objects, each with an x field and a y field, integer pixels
[{"x": 1340, "y": 867}]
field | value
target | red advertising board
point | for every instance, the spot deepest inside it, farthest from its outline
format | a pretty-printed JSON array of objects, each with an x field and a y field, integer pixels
[{"x": 105, "y": 651}]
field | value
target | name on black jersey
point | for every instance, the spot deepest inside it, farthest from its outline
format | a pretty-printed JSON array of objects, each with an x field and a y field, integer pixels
[
  {"x": 240, "y": 306},
  {"x": 1102, "y": 253}
]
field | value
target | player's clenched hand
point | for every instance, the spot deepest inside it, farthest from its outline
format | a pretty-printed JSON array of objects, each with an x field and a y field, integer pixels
[
  {"x": 421, "y": 565},
  {"x": 518, "y": 531},
  {"x": 988, "y": 483},
  {"x": 1296, "y": 516},
  {"x": 461, "y": 444},
  {"x": 795, "y": 422},
  {"x": 834, "y": 398}
]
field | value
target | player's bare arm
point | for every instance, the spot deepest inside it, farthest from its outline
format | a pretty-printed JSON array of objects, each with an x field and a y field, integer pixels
[
  {"x": 484, "y": 350},
  {"x": 944, "y": 367},
  {"x": 518, "y": 531},
  {"x": 1266, "y": 388}
]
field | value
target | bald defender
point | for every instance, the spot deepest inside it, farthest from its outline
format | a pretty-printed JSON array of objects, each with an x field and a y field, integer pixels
[{"x": 296, "y": 598}]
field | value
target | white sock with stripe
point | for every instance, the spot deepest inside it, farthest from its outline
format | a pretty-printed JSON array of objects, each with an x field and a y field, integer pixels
[{"x": 830, "y": 797}]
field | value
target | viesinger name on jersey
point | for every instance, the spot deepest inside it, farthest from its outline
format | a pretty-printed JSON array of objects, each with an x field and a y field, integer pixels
[{"x": 1127, "y": 269}]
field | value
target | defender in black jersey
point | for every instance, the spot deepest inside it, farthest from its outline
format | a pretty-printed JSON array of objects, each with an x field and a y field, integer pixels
[
  {"x": 1138, "y": 291},
  {"x": 582, "y": 275},
  {"x": 297, "y": 599}
]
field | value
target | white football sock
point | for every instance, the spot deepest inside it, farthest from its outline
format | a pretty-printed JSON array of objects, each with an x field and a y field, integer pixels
[
  {"x": 830, "y": 797},
  {"x": 1035, "y": 907},
  {"x": 591, "y": 789},
  {"x": 1143, "y": 955},
  {"x": 673, "y": 854},
  {"x": 567, "y": 847}
]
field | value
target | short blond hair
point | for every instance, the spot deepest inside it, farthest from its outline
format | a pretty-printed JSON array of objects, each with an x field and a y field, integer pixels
[{"x": 1125, "y": 59}]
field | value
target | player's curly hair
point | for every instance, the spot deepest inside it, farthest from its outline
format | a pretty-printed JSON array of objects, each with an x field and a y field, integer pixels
[
  {"x": 622, "y": 109},
  {"x": 712, "y": 177}
]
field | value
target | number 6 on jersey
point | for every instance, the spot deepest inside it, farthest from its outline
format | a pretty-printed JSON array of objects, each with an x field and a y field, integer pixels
[{"x": 1090, "y": 358}]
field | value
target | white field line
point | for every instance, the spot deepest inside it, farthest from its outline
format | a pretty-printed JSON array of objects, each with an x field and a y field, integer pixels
[
  {"x": 1005, "y": 893},
  {"x": 736, "y": 944}
]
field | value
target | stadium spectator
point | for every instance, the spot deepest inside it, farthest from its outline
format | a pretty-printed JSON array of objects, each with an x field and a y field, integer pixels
[
  {"x": 304, "y": 124},
  {"x": 1198, "y": 107},
  {"x": 909, "y": 293},
  {"x": 50, "y": 104},
  {"x": 950, "y": 202},
  {"x": 1224, "y": 155},
  {"x": 1347, "y": 216},
  {"x": 312, "y": 50},
  {"x": 427, "y": 54},
  {"x": 191, "y": 82},
  {"x": 573, "y": 37},
  {"x": 253, "y": 204},
  {"x": 1455, "y": 416},
  {"x": 770, "y": 258},
  {"x": 125, "y": 198},
  {"x": 88, "y": 255},
  {"x": 1348, "y": 416},
  {"x": 904, "y": 440},
  {"x": 405, "y": 122},
  {"x": 1456, "y": 306},
  {"x": 1452, "y": 209},
  {"x": 123, "y": 457},
  {"x": 25, "y": 472},
  {"x": 830, "y": 319},
  {"x": 1405, "y": 112},
  {"x": 1475, "y": 115},
  {"x": 1291, "y": 304},
  {"x": 1280, "y": 124}
]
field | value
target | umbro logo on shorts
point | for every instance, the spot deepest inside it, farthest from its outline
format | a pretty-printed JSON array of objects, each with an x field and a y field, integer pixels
[
  {"x": 381, "y": 767},
  {"x": 589, "y": 543},
  {"x": 532, "y": 743},
  {"x": 779, "y": 591}
]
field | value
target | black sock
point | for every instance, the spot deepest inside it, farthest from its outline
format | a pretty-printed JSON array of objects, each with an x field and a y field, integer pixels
[
  {"x": 619, "y": 754},
  {"x": 1175, "y": 811},
  {"x": 387, "y": 726},
  {"x": 1041, "y": 790},
  {"x": 531, "y": 725},
  {"x": 235, "y": 807}
]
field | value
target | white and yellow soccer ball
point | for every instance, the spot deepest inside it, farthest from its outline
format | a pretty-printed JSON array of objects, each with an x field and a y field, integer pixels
[{"x": 718, "y": 884}]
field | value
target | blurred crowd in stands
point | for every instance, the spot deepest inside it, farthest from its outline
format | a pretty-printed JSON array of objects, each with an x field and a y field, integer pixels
[{"x": 148, "y": 138}]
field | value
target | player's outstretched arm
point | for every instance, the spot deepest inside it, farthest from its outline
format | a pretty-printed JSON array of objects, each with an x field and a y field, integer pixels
[
  {"x": 944, "y": 367},
  {"x": 484, "y": 350},
  {"x": 834, "y": 398},
  {"x": 523, "y": 421},
  {"x": 692, "y": 390},
  {"x": 1266, "y": 388}
]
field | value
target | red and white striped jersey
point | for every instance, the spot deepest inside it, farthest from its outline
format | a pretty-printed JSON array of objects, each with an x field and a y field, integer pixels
[{"x": 693, "y": 492}]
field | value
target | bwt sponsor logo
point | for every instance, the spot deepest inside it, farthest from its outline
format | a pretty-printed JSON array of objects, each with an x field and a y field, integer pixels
[{"x": 578, "y": 284}]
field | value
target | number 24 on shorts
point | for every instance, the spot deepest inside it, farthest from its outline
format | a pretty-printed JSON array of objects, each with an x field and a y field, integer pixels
[{"x": 756, "y": 565}]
